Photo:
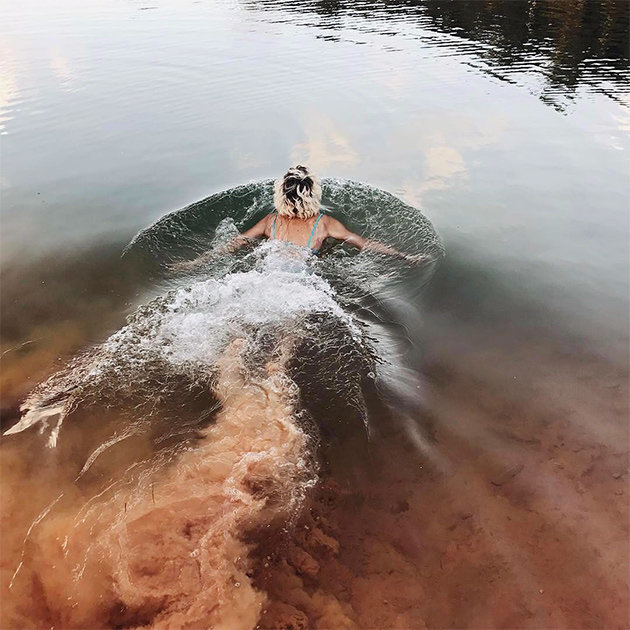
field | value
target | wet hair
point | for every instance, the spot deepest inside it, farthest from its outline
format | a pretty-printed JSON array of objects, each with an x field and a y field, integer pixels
[{"x": 298, "y": 194}]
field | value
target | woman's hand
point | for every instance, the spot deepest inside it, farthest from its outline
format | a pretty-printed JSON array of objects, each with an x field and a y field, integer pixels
[
  {"x": 419, "y": 259},
  {"x": 183, "y": 265},
  {"x": 188, "y": 265}
]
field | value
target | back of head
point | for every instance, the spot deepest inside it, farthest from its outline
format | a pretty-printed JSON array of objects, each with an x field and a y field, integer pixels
[{"x": 298, "y": 194}]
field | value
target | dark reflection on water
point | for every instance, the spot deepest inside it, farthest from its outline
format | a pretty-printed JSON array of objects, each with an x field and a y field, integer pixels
[{"x": 552, "y": 48}]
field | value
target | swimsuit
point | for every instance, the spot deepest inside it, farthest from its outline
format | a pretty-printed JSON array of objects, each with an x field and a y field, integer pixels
[{"x": 310, "y": 238}]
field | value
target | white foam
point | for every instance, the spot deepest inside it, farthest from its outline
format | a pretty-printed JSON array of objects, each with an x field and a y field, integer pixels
[{"x": 202, "y": 317}]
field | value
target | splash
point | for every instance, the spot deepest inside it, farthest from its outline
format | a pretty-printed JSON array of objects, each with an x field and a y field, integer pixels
[{"x": 180, "y": 336}]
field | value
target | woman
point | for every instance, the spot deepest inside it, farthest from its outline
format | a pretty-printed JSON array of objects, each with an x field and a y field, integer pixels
[{"x": 299, "y": 220}]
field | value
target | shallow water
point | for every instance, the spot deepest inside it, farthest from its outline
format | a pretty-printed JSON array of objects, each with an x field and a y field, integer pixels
[{"x": 450, "y": 453}]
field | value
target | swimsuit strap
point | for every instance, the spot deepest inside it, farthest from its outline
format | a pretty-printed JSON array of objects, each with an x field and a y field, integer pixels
[{"x": 310, "y": 238}]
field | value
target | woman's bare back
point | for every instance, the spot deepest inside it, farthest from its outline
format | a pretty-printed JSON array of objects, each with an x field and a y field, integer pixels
[{"x": 311, "y": 232}]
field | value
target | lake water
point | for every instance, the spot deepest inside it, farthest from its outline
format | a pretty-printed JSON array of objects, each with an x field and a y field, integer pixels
[{"x": 496, "y": 491}]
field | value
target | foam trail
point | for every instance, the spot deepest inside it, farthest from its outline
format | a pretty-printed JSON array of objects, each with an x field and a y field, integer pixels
[
  {"x": 103, "y": 447},
  {"x": 42, "y": 515},
  {"x": 34, "y": 416}
]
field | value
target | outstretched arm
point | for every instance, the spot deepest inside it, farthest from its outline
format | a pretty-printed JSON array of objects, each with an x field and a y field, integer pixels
[
  {"x": 337, "y": 230},
  {"x": 232, "y": 245}
]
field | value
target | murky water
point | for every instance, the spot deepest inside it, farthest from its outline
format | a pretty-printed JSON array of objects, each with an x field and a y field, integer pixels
[{"x": 343, "y": 442}]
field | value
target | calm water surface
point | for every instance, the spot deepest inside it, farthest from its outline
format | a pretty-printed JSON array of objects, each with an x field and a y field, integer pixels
[{"x": 507, "y": 123}]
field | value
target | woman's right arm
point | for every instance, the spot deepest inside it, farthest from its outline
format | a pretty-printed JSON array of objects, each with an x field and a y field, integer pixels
[
  {"x": 232, "y": 245},
  {"x": 256, "y": 231}
]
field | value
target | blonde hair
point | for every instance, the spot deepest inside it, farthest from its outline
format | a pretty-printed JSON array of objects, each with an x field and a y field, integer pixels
[{"x": 298, "y": 194}]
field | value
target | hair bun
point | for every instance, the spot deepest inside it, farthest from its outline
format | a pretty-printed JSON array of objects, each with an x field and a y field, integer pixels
[
  {"x": 298, "y": 193},
  {"x": 299, "y": 172}
]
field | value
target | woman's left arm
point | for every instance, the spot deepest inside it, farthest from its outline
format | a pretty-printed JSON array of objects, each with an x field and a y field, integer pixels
[{"x": 337, "y": 230}]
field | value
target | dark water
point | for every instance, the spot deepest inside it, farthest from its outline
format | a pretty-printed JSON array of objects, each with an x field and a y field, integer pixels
[{"x": 506, "y": 123}]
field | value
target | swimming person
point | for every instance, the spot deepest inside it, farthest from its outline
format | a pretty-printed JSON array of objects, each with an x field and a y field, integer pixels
[{"x": 298, "y": 219}]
